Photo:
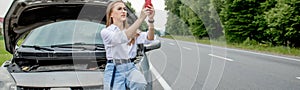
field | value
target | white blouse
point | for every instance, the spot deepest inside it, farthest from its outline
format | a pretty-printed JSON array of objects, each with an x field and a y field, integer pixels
[{"x": 116, "y": 43}]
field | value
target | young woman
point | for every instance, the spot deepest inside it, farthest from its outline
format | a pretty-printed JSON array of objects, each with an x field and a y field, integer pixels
[{"x": 120, "y": 42}]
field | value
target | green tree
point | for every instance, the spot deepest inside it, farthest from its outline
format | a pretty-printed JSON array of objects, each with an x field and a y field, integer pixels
[
  {"x": 188, "y": 22},
  {"x": 239, "y": 19},
  {"x": 176, "y": 26},
  {"x": 208, "y": 21},
  {"x": 176, "y": 23},
  {"x": 260, "y": 22},
  {"x": 283, "y": 23}
]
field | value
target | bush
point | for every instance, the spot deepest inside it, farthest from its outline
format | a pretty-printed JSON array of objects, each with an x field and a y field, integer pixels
[{"x": 250, "y": 42}]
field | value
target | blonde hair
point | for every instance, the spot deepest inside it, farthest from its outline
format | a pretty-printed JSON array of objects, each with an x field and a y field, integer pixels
[{"x": 109, "y": 8}]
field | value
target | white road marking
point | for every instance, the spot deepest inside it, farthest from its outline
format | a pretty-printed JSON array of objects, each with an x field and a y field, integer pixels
[
  {"x": 220, "y": 57},
  {"x": 263, "y": 54},
  {"x": 160, "y": 79},
  {"x": 187, "y": 48},
  {"x": 172, "y": 44},
  {"x": 298, "y": 77}
]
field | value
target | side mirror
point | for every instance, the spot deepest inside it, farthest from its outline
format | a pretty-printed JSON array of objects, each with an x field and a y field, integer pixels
[{"x": 154, "y": 45}]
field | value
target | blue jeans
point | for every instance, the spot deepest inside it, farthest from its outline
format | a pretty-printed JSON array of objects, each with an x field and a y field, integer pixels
[{"x": 126, "y": 75}]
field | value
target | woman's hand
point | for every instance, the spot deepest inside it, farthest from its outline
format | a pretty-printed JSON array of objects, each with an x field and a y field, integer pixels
[
  {"x": 144, "y": 13},
  {"x": 151, "y": 12},
  {"x": 148, "y": 11}
]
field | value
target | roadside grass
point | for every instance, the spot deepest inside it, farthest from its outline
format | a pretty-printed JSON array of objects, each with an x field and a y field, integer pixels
[
  {"x": 277, "y": 50},
  {"x": 4, "y": 55}
]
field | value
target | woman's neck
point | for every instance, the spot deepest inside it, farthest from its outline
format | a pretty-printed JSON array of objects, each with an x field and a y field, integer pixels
[{"x": 119, "y": 24}]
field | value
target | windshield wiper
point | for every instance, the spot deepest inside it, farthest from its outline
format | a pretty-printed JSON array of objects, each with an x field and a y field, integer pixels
[
  {"x": 38, "y": 47},
  {"x": 79, "y": 45},
  {"x": 67, "y": 45}
]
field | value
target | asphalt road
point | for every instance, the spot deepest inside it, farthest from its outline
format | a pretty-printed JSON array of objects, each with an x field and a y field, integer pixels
[{"x": 190, "y": 66}]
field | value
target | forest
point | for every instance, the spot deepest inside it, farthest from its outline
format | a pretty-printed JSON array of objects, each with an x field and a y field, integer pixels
[{"x": 268, "y": 22}]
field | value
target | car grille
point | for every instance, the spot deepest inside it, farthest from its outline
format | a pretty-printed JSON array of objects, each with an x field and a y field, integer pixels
[{"x": 71, "y": 88}]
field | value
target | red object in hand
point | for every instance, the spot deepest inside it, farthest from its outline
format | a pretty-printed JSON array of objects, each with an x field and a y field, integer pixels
[{"x": 148, "y": 2}]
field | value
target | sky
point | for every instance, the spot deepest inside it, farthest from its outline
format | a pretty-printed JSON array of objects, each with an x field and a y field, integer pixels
[
  {"x": 4, "y": 6},
  {"x": 159, "y": 5}
]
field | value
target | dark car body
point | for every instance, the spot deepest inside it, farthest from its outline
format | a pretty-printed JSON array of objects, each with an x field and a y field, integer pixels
[{"x": 56, "y": 44}]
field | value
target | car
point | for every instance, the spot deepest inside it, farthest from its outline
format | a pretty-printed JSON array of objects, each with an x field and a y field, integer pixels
[{"x": 56, "y": 45}]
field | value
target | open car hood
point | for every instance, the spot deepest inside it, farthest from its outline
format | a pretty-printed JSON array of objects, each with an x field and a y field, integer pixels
[{"x": 25, "y": 15}]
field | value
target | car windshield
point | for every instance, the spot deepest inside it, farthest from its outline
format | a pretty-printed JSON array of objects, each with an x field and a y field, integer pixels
[{"x": 65, "y": 32}]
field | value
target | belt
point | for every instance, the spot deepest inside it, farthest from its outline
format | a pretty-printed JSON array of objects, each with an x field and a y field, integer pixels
[{"x": 119, "y": 61}]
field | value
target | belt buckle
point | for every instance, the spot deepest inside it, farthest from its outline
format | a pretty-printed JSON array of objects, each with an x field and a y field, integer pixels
[
  {"x": 114, "y": 61},
  {"x": 117, "y": 61},
  {"x": 121, "y": 61}
]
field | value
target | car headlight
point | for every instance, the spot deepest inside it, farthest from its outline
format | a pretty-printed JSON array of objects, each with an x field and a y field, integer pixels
[{"x": 6, "y": 80}]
